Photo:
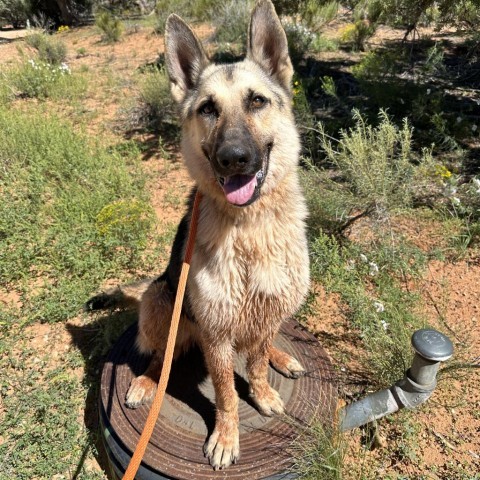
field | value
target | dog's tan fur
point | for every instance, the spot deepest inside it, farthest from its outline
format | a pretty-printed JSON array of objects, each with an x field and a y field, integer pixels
[{"x": 250, "y": 267}]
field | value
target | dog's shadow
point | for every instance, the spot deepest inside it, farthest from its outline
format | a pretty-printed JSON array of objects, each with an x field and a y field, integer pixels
[{"x": 97, "y": 341}]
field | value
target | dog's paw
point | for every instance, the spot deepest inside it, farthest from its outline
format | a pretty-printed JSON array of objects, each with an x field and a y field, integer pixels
[
  {"x": 268, "y": 401},
  {"x": 285, "y": 364},
  {"x": 291, "y": 369},
  {"x": 222, "y": 449},
  {"x": 141, "y": 391}
]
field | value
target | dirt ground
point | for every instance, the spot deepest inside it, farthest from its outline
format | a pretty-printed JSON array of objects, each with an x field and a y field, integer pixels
[{"x": 447, "y": 445}]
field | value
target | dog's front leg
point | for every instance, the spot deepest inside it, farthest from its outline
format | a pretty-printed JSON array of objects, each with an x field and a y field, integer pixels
[
  {"x": 222, "y": 448},
  {"x": 267, "y": 399}
]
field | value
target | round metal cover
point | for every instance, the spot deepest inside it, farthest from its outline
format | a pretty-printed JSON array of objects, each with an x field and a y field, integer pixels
[
  {"x": 187, "y": 416},
  {"x": 432, "y": 345}
]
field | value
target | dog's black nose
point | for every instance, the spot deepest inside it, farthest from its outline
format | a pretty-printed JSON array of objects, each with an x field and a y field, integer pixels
[{"x": 234, "y": 156}]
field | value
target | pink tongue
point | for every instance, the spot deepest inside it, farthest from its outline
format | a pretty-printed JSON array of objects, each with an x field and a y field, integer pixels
[{"x": 239, "y": 188}]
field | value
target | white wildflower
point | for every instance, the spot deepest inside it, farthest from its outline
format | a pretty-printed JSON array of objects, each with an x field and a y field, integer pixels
[
  {"x": 476, "y": 183},
  {"x": 373, "y": 269},
  {"x": 385, "y": 324},
  {"x": 459, "y": 119},
  {"x": 450, "y": 190},
  {"x": 474, "y": 127},
  {"x": 64, "y": 68},
  {"x": 379, "y": 307},
  {"x": 350, "y": 265}
]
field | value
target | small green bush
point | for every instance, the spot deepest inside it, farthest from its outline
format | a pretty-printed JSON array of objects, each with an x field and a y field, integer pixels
[
  {"x": 231, "y": 21},
  {"x": 316, "y": 14},
  {"x": 376, "y": 163},
  {"x": 357, "y": 33},
  {"x": 125, "y": 222},
  {"x": 324, "y": 44},
  {"x": 328, "y": 86},
  {"x": 155, "y": 94},
  {"x": 378, "y": 66},
  {"x": 111, "y": 27},
  {"x": 38, "y": 79},
  {"x": 14, "y": 11},
  {"x": 203, "y": 10},
  {"x": 153, "y": 108},
  {"x": 50, "y": 49},
  {"x": 300, "y": 40}
]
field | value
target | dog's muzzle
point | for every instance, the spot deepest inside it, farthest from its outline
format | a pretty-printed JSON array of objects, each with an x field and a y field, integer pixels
[{"x": 242, "y": 188}]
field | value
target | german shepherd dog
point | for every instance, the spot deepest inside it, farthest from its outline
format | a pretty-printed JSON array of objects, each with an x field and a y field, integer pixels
[{"x": 250, "y": 266}]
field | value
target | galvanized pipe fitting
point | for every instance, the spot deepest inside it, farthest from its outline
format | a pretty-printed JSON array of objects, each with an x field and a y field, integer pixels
[{"x": 431, "y": 348}]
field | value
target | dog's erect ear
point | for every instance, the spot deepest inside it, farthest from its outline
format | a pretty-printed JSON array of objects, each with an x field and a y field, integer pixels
[
  {"x": 267, "y": 43},
  {"x": 185, "y": 57}
]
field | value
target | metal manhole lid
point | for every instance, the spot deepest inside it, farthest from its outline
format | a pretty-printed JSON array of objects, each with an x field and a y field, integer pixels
[{"x": 188, "y": 411}]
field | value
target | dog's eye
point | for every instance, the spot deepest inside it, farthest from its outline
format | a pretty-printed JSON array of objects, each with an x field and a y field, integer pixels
[
  {"x": 207, "y": 108},
  {"x": 258, "y": 101}
]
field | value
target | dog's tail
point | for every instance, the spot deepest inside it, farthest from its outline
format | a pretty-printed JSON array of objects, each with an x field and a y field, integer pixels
[{"x": 122, "y": 296}]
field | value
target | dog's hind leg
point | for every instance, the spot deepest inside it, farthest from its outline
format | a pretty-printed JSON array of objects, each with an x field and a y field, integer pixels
[
  {"x": 285, "y": 364},
  {"x": 155, "y": 316}
]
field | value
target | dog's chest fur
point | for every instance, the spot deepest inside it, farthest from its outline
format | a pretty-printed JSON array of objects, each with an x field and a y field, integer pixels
[{"x": 249, "y": 272}]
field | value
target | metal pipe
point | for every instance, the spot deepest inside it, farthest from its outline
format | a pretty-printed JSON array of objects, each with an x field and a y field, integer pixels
[{"x": 431, "y": 348}]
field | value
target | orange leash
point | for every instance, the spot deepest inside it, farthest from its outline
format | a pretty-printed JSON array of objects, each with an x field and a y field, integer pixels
[{"x": 167, "y": 362}]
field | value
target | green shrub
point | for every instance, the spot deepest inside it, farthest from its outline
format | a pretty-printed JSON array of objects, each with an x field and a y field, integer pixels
[
  {"x": 357, "y": 33},
  {"x": 300, "y": 40},
  {"x": 153, "y": 108},
  {"x": 231, "y": 21},
  {"x": 155, "y": 96},
  {"x": 163, "y": 8},
  {"x": 125, "y": 222},
  {"x": 433, "y": 64},
  {"x": 316, "y": 14},
  {"x": 328, "y": 86},
  {"x": 379, "y": 65},
  {"x": 191, "y": 10},
  {"x": 15, "y": 11},
  {"x": 111, "y": 27},
  {"x": 376, "y": 163},
  {"x": 324, "y": 44},
  {"x": 38, "y": 79},
  {"x": 50, "y": 49}
]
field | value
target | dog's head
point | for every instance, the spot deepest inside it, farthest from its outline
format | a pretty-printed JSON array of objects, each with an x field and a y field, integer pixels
[{"x": 239, "y": 139}]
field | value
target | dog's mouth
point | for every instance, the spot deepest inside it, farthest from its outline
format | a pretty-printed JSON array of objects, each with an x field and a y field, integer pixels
[{"x": 242, "y": 190}]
